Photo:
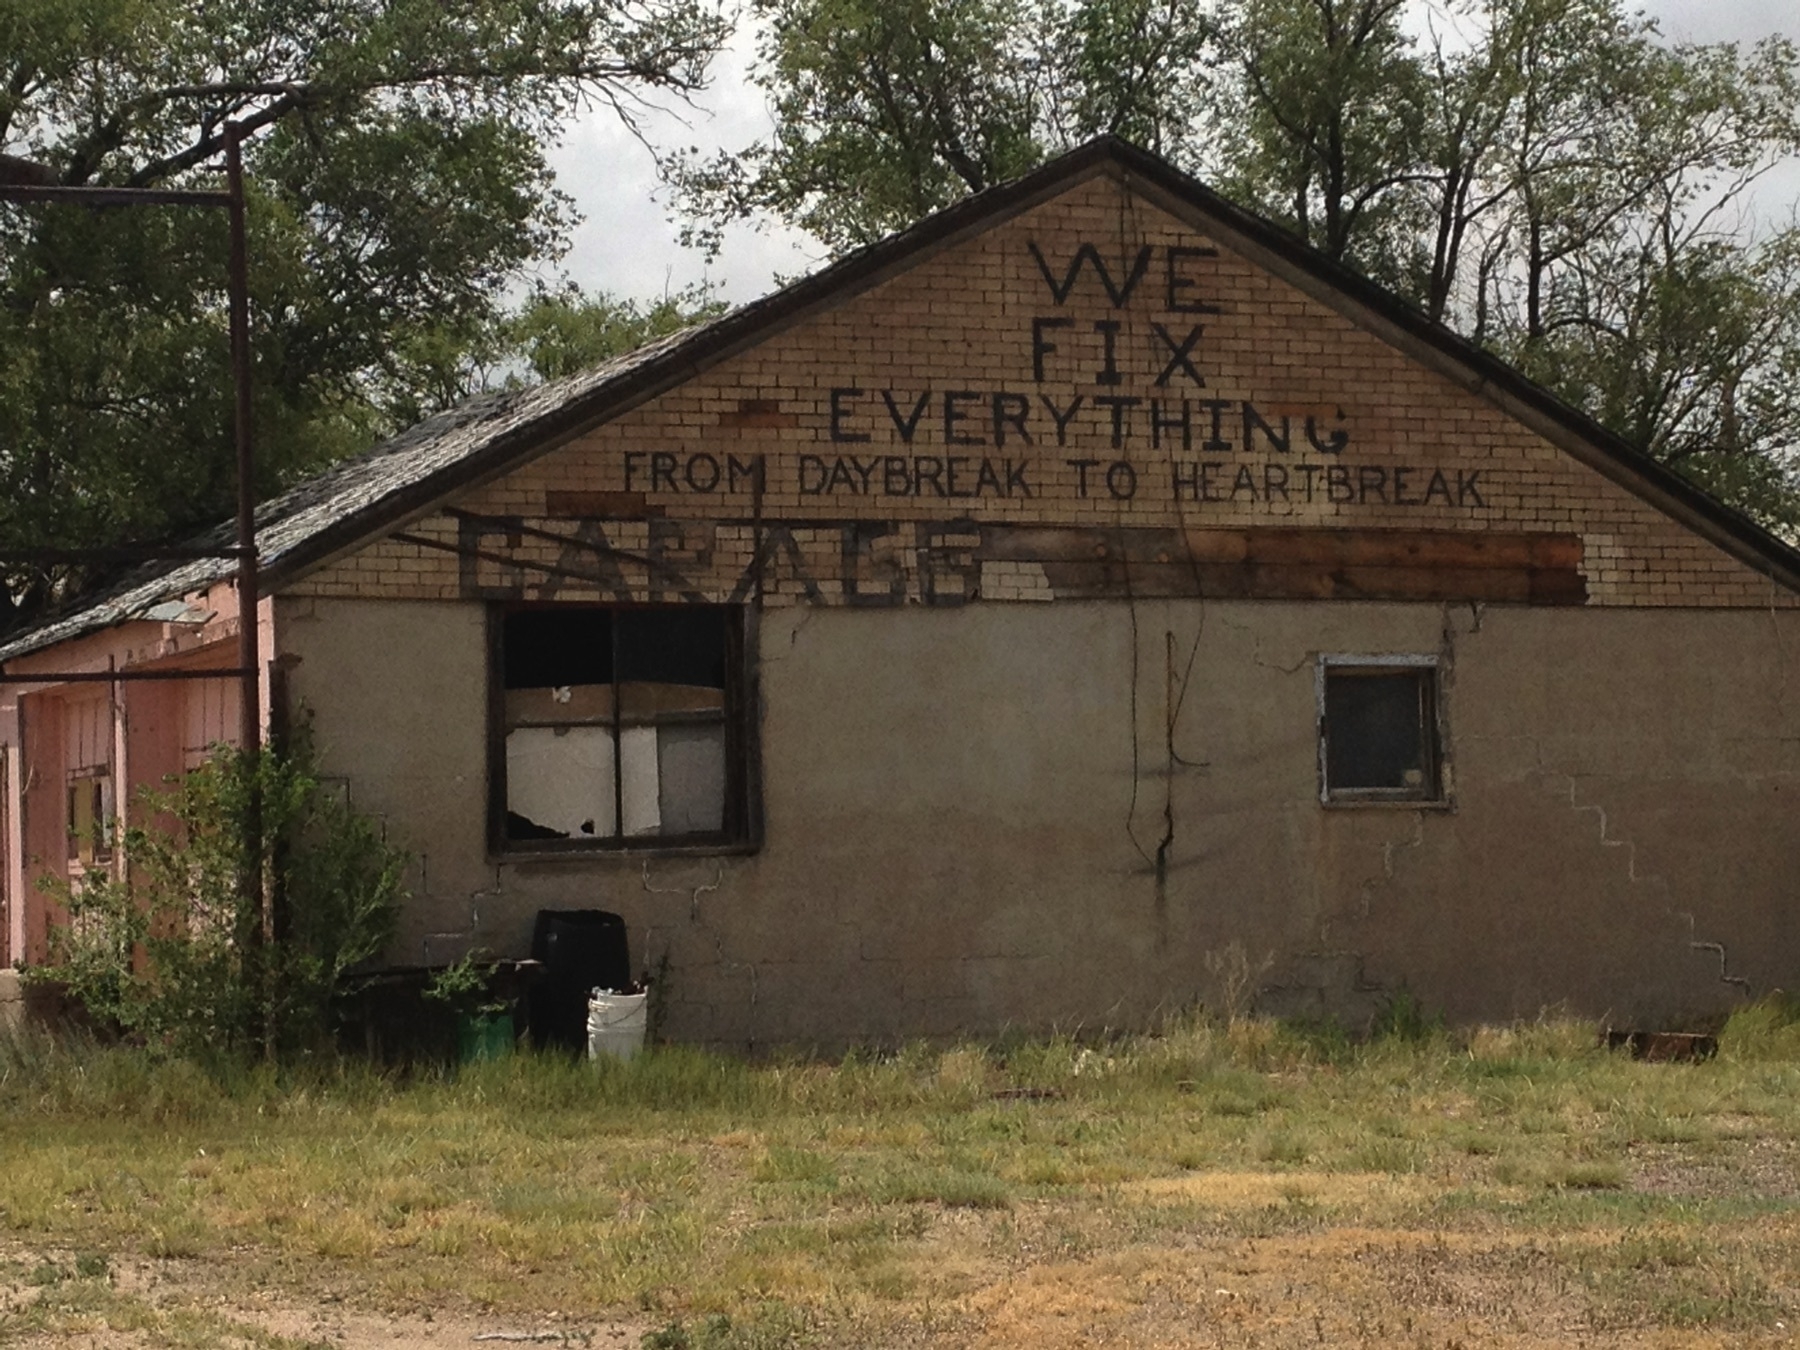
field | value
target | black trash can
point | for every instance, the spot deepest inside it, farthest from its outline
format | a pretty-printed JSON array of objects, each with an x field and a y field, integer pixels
[{"x": 581, "y": 950}]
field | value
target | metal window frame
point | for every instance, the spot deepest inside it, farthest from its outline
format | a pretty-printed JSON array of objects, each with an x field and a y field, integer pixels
[{"x": 1436, "y": 794}]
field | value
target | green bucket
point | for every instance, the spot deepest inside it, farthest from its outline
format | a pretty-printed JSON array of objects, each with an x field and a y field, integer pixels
[{"x": 483, "y": 1036}]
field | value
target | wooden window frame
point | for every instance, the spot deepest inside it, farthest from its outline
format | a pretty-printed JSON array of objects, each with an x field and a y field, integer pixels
[
  {"x": 742, "y": 830},
  {"x": 92, "y": 847}
]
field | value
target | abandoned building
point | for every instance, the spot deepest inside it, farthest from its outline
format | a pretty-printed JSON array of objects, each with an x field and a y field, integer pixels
[{"x": 1077, "y": 603}]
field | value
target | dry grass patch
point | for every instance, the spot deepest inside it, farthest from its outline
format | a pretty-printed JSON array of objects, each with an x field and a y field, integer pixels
[{"x": 1366, "y": 1194}]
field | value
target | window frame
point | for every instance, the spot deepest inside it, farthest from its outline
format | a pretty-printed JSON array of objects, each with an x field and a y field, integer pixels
[
  {"x": 1435, "y": 793},
  {"x": 741, "y": 832},
  {"x": 90, "y": 848}
]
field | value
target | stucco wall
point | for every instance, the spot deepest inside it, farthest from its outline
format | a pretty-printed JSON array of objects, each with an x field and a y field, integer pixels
[{"x": 963, "y": 810}]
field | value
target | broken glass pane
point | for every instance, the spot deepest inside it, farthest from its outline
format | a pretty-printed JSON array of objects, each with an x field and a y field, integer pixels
[
  {"x": 559, "y": 783},
  {"x": 693, "y": 778},
  {"x": 1378, "y": 732}
]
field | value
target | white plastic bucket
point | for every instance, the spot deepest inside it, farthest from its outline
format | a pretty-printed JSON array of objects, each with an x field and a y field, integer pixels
[{"x": 616, "y": 1024}]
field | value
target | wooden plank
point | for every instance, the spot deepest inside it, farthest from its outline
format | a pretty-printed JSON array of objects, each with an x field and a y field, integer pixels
[
  {"x": 1015, "y": 543},
  {"x": 1558, "y": 586},
  {"x": 1389, "y": 548},
  {"x": 1278, "y": 545},
  {"x": 1145, "y": 581},
  {"x": 1557, "y": 551},
  {"x": 1423, "y": 583},
  {"x": 1113, "y": 580}
]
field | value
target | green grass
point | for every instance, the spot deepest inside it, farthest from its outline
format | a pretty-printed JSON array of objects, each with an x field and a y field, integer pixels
[{"x": 935, "y": 1191}]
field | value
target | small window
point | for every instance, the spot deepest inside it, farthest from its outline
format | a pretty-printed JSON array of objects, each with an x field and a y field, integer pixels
[
  {"x": 1378, "y": 725},
  {"x": 90, "y": 820},
  {"x": 619, "y": 726}
]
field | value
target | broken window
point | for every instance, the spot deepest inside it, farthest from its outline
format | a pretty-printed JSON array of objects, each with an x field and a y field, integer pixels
[
  {"x": 90, "y": 819},
  {"x": 88, "y": 728},
  {"x": 1378, "y": 723},
  {"x": 621, "y": 725}
]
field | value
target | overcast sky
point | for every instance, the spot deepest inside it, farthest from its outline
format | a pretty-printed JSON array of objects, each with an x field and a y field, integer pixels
[{"x": 626, "y": 244}]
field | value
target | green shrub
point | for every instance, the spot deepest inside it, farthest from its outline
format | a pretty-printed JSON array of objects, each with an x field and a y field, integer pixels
[
  {"x": 1402, "y": 1017},
  {"x": 175, "y": 951},
  {"x": 773, "y": 1326}
]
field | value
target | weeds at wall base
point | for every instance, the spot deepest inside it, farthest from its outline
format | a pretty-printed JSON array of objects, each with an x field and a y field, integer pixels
[{"x": 73, "y": 1071}]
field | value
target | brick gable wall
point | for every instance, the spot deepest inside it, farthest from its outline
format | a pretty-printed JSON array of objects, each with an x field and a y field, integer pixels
[{"x": 1088, "y": 399}]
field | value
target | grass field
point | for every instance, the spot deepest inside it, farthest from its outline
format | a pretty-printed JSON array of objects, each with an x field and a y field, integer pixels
[{"x": 1214, "y": 1185}]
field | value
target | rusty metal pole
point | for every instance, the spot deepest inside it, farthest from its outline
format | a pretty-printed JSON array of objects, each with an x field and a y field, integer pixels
[
  {"x": 260, "y": 920},
  {"x": 257, "y": 917},
  {"x": 249, "y": 644}
]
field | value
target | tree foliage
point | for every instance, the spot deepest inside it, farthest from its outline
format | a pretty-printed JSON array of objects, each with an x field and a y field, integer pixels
[
  {"x": 885, "y": 110},
  {"x": 561, "y": 332},
  {"x": 1550, "y": 177},
  {"x": 399, "y": 188},
  {"x": 1331, "y": 108}
]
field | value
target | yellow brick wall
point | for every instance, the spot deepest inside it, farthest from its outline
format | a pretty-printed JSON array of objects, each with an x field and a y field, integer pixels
[{"x": 964, "y": 336}]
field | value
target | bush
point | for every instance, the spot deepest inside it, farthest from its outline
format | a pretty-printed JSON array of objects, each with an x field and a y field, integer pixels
[
  {"x": 174, "y": 952},
  {"x": 1402, "y": 1017}
]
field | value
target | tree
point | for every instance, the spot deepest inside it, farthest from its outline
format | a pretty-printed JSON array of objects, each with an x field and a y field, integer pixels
[
  {"x": 1323, "y": 124},
  {"x": 1689, "y": 346},
  {"x": 559, "y": 333},
  {"x": 885, "y": 111},
  {"x": 1131, "y": 68},
  {"x": 399, "y": 189},
  {"x": 1622, "y": 270}
]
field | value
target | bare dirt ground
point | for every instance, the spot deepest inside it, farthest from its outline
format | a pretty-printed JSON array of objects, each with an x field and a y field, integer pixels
[
  {"x": 1340, "y": 1286},
  {"x": 1346, "y": 1287},
  {"x": 152, "y": 1304}
]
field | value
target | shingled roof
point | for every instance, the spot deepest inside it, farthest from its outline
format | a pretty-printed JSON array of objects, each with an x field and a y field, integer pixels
[
  {"x": 410, "y": 474},
  {"x": 291, "y": 528}
]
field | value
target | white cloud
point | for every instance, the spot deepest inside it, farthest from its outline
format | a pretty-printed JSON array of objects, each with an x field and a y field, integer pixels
[
  {"x": 627, "y": 243},
  {"x": 1722, "y": 20}
]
